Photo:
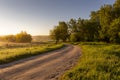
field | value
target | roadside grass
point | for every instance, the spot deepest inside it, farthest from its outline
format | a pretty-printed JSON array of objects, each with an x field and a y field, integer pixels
[
  {"x": 98, "y": 61},
  {"x": 8, "y": 55},
  {"x": 10, "y": 45}
]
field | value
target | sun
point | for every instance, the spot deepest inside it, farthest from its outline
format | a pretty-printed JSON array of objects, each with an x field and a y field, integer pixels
[{"x": 8, "y": 30}]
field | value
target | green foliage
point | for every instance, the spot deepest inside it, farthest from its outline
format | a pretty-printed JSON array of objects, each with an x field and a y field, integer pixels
[
  {"x": 114, "y": 31},
  {"x": 74, "y": 37},
  {"x": 63, "y": 31},
  {"x": 9, "y": 55},
  {"x": 100, "y": 26},
  {"x": 91, "y": 31},
  {"x": 23, "y": 37},
  {"x": 54, "y": 34},
  {"x": 83, "y": 30},
  {"x": 106, "y": 17},
  {"x": 94, "y": 16},
  {"x": 73, "y": 25},
  {"x": 97, "y": 62},
  {"x": 10, "y": 38},
  {"x": 116, "y": 7},
  {"x": 76, "y": 29},
  {"x": 60, "y": 32}
]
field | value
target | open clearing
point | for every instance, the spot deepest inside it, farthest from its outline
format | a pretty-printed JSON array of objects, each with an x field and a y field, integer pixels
[{"x": 48, "y": 66}]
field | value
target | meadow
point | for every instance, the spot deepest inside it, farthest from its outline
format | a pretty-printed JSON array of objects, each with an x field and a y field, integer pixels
[
  {"x": 15, "y": 51},
  {"x": 98, "y": 61}
]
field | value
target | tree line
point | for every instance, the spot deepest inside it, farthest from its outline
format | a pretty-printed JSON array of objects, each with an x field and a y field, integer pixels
[
  {"x": 22, "y": 37},
  {"x": 103, "y": 25}
]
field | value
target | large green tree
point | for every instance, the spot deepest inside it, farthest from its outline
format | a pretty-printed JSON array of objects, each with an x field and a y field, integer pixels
[
  {"x": 83, "y": 30},
  {"x": 103, "y": 25},
  {"x": 55, "y": 34},
  {"x": 63, "y": 31},
  {"x": 116, "y": 7},
  {"x": 73, "y": 29},
  {"x": 106, "y": 17},
  {"x": 114, "y": 31},
  {"x": 60, "y": 32},
  {"x": 95, "y": 23},
  {"x": 91, "y": 30}
]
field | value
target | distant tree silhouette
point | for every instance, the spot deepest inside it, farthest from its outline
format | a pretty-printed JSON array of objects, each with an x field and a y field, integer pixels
[
  {"x": 10, "y": 38},
  {"x": 23, "y": 37}
]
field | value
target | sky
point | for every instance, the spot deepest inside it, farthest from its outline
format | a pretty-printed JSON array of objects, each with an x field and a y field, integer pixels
[{"x": 38, "y": 17}]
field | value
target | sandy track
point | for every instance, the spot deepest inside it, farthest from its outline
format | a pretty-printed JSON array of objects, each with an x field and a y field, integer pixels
[{"x": 47, "y": 66}]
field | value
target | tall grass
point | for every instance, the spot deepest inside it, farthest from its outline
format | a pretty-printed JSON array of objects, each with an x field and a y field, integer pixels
[
  {"x": 9, "y": 55},
  {"x": 98, "y": 62}
]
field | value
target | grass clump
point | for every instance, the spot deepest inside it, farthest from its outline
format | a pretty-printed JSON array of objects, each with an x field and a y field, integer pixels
[
  {"x": 98, "y": 62},
  {"x": 9, "y": 55}
]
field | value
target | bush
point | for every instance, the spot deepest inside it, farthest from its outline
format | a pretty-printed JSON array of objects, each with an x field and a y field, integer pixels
[{"x": 23, "y": 37}]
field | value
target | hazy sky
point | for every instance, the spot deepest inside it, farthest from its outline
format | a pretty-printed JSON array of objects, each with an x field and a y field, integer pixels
[{"x": 37, "y": 17}]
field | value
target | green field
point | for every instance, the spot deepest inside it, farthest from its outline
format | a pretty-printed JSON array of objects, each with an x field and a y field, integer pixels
[
  {"x": 98, "y": 61},
  {"x": 12, "y": 53}
]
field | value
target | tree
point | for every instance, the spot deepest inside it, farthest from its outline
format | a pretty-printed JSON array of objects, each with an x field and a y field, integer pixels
[
  {"x": 114, "y": 31},
  {"x": 83, "y": 30},
  {"x": 55, "y": 34},
  {"x": 80, "y": 29},
  {"x": 91, "y": 29},
  {"x": 95, "y": 22},
  {"x": 75, "y": 27},
  {"x": 106, "y": 17},
  {"x": 74, "y": 37},
  {"x": 23, "y": 37},
  {"x": 116, "y": 7},
  {"x": 60, "y": 32},
  {"x": 103, "y": 25},
  {"x": 63, "y": 31},
  {"x": 10, "y": 38},
  {"x": 94, "y": 16}
]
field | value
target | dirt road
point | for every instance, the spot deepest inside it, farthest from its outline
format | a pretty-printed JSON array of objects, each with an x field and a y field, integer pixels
[{"x": 47, "y": 66}]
